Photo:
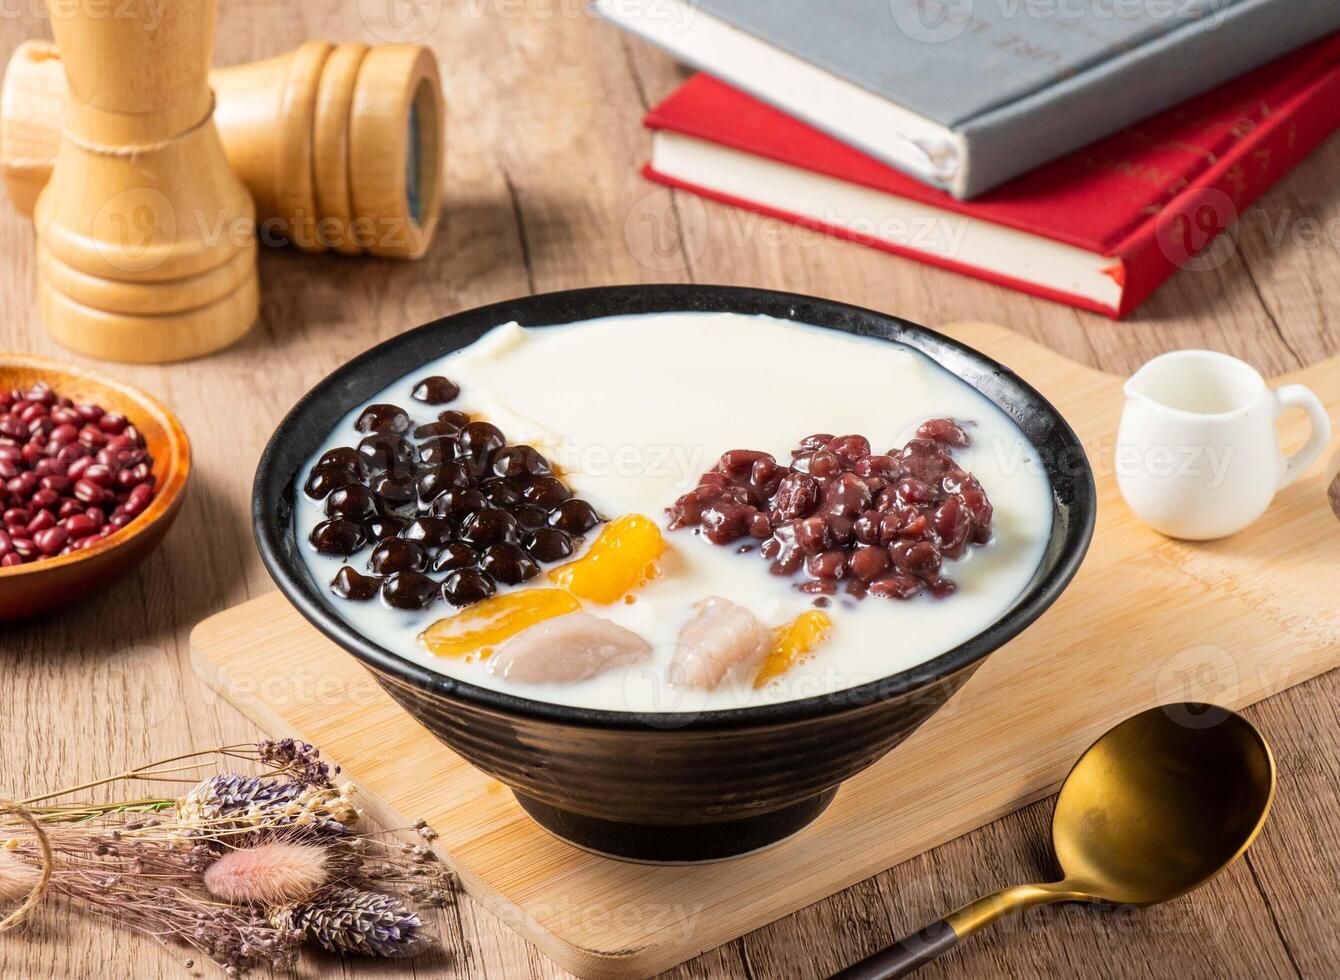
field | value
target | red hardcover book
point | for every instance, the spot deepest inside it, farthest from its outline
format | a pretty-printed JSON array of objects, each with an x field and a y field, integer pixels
[{"x": 1098, "y": 229}]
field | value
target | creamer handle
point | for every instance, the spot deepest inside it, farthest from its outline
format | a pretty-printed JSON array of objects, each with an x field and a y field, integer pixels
[{"x": 1300, "y": 396}]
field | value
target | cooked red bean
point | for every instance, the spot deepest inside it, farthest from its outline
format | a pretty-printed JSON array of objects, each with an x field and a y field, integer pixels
[
  {"x": 945, "y": 431},
  {"x": 882, "y": 523}
]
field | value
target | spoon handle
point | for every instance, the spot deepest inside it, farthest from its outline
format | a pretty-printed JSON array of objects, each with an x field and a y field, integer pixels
[
  {"x": 903, "y": 957},
  {"x": 915, "y": 951}
]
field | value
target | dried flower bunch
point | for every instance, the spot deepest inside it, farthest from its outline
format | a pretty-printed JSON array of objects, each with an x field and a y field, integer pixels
[{"x": 244, "y": 868}]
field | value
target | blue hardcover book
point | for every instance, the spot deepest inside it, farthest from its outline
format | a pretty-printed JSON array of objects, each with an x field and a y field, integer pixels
[{"x": 966, "y": 94}]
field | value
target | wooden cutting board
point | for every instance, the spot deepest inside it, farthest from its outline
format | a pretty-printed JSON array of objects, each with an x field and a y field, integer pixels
[{"x": 1147, "y": 621}]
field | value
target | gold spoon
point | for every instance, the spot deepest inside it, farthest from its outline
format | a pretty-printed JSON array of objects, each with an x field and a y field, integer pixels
[{"x": 1156, "y": 807}]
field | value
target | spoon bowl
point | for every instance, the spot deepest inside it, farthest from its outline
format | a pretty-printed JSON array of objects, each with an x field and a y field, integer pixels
[
  {"x": 1162, "y": 803},
  {"x": 1155, "y": 808}
]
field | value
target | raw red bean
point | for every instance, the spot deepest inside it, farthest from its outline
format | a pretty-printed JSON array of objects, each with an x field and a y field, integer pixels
[
  {"x": 52, "y": 540},
  {"x": 75, "y": 454},
  {"x": 132, "y": 476},
  {"x": 135, "y": 504},
  {"x": 22, "y": 486},
  {"x": 62, "y": 467},
  {"x": 113, "y": 423},
  {"x": 42, "y": 520},
  {"x": 81, "y": 526},
  {"x": 89, "y": 492},
  {"x": 101, "y": 474},
  {"x": 32, "y": 413}
]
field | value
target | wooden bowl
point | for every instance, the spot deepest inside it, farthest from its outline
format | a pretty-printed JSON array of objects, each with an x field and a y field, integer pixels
[{"x": 39, "y": 587}]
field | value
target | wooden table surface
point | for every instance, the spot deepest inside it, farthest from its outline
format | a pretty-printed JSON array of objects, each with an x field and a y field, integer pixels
[{"x": 544, "y": 146}]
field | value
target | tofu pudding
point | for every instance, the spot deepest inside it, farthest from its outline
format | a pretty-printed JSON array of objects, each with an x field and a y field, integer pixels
[{"x": 602, "y": 553}]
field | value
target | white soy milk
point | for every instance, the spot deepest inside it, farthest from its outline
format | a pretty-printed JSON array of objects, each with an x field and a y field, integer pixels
[{"x": 633, "y": 409}]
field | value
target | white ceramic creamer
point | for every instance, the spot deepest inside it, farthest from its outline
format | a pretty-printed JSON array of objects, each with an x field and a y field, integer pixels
[{"x": 1198, "y": 455}]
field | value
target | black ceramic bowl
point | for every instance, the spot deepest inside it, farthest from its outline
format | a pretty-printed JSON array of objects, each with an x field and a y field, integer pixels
[{"x": 669, "y": 787}]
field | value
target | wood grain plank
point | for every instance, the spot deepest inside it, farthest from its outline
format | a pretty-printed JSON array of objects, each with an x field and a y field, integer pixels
[{"x": 108, "y": 684}]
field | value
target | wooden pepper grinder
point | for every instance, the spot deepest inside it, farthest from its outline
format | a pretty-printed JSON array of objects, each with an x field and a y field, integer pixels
[
  {"x": 146, "y": 245},
  {"x": 340, "y": 145}
]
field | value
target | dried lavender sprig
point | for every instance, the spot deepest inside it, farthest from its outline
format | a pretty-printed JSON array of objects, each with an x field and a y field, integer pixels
[
  {"x": 300, "y": 761},
  {"x": 139, "y": 772},
  {"x": 252, "y": 802},
  {"x": 154, "y": 887},
  {"x": 349, "y": 920},
  {"x": 133, "y": 867}
]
